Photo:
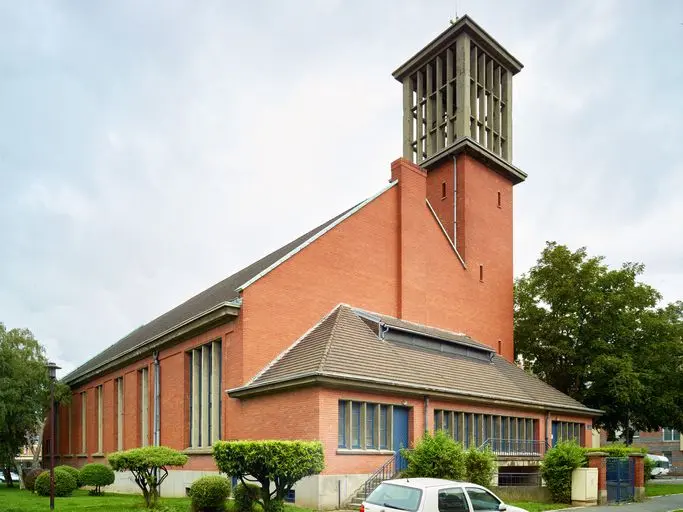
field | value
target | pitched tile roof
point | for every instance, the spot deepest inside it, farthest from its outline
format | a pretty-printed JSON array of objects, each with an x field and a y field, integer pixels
[
  {"x": 346, "y": 345},
  {"x": 224, "y": 291}
]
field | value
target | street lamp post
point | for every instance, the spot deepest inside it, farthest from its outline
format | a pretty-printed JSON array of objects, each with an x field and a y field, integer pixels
[{"x": 52, "y": 373}]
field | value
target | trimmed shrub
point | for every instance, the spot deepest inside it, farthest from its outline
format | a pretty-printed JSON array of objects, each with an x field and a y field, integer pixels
[
  {"x": 145, "y": 464},
  {"x": 437, "y": 456},
  {"x": 557, "y": 467},
  {"x": 281, "y": 463},
  {"x": 209, "y": 493},
  {"x": 617, "y": 450},
  {"x": 245, "y": 496},
  {"x": 98, "y": 476},
  {"x": 74, "y": 472},
  {"x": 30, "y": 478},
  {"x": 480, "y": 466},
  {"x": 65, "y": 484}
]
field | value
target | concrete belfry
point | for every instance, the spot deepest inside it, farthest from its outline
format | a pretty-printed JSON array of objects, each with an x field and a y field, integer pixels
[{"x": 457, "y": 95}]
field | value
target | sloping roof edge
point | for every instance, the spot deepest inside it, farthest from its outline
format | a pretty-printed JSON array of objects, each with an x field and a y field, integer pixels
[
  {"x": 443, "y": 230},
  {"x": 321, "y": 378},
  {"x": 315, "y": 237}
]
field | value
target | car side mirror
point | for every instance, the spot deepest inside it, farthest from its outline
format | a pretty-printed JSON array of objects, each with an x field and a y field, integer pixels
[{"x": 502, "y": 507}]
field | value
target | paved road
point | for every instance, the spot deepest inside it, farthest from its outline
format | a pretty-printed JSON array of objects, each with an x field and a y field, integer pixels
[{"x": 658, "y": 504}]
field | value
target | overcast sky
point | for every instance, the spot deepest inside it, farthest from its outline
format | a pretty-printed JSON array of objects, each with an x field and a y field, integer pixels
[{"x": 150, "y": 149}]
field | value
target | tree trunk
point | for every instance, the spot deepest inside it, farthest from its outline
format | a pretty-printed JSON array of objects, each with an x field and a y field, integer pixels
[
  {"x": 8, "y": 476},
  {"x": 17, "y": 464},
  {"x": 38, "y": 448}
]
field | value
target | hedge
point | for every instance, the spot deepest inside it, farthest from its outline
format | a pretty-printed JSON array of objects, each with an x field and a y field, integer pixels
[
  {"x": 209, "y": 493},
  {"x": 65, "y": 483},
  {"x": 435, "y": 456},
  {"x": 74, "y": 472}
]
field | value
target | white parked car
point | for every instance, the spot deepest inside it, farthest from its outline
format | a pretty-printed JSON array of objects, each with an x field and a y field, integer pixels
[
  {"x": 432, "y": 495},
  {"x": 661, "y": 466}
]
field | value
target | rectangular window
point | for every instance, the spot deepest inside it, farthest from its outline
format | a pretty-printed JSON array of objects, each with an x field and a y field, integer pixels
[
  {"x": 355, "y": 424},
  {"x": 363, "y": 425},
  {"x": 446, "y": 421},
  {"x": 119, "y": 413},
  {"x": 477, "y": 430},
  {"x": 205, "y": 406},
  {"x": 370, "y": 426},
  {"x": 100, "y": 412},
  {"x": 671, "y": 434},
  {"x": 467, "y": 430},
  {"x": 437, "y": 420},
  {"x": 457, "y": 433},
  {"x": 84, "y": 423},
  {"x": 383, "y": 427},
  {"x": 143, "y": 378},
  {"x": 342, "y": 425},
  {"x": 487, "y": 428}
]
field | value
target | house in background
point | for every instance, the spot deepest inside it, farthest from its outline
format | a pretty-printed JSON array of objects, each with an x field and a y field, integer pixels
[
  {"x": 665, "y": 441},
  {"x": 389, "y": 320}
]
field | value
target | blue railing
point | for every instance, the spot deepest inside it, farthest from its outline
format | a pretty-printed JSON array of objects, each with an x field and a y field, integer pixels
[{"x": 516, "y": 447}]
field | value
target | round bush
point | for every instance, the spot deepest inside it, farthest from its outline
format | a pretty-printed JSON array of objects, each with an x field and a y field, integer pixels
[
  {"x": 30, "y": 478},
  {"x": 65, "y": 484},
  {"x": 437, "y": 456},
  {"x": 73, "y": 472},
  {"x": 209, "y": 493},
  {"x": 97, "y": 475},
  {"x": 480, "y": 466},
  {"x": 245, "y": 496}
]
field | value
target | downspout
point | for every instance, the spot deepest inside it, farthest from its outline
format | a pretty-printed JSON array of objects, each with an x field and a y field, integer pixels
[
  {"x": 547, "y": 423},
  {"x": 426, "y": 407},
  {"x": 157, "y": 399},
  {"x": 455, "y": 204}
]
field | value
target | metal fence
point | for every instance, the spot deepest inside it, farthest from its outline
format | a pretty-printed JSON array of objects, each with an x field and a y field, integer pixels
[
  {"x": 520, "y": 479},
  {"x": 516, "y": 447}
]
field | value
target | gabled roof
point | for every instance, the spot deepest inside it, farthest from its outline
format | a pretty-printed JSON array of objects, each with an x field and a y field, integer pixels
[
  {"x": 346, "y": 348},
  {"x": 225, "y": 292}
]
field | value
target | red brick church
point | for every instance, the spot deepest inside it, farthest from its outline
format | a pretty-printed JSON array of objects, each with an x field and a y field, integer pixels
[{"x": 392, "y": 318}]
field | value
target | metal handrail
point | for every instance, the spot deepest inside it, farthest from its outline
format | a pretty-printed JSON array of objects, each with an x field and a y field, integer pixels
[
  {"x": 515, "y": 447},
  {"x": 385, "y": 472}
]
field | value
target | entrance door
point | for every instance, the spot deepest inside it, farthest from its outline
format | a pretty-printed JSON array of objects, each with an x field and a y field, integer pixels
[{"x": 400, "y": 439}]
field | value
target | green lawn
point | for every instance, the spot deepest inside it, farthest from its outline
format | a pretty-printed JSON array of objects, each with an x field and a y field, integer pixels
[
  {"x": 653, "y": 489},
  {"x": 536, "y": 506},
  {"x": 14, "y": 500}
]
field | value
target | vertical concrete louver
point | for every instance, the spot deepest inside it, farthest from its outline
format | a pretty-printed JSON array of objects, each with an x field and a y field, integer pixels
[
  {"x": 84, "y": 403},
  {"x": 144, "y": 407},
  {"x": 119, "y": 414},
  {"x": 205, "y": 394},
  {"x": 459, "y": 85},
  {"x": 99, "y": 418}
]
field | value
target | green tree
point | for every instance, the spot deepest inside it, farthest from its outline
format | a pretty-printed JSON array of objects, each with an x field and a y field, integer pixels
[
  {"x": 600, "y": 336},
  {"x": 275, "y": 465},
  {"x": 435, "y": 456},
  {"x": 24, "y": 389},
  {"x": 149, "y": 466}
]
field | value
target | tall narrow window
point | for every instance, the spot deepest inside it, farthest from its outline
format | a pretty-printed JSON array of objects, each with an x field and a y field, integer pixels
[
  {"x": 69, "y": 419},
  {"x": 467, "y": 430},
  {"x": 342, "y": 425},
  {"x": 500, "y": 346},
  {"x": 481, "y": 273},
  {"x": 84, "y": 405},
  {"x": 100, "y": 412},
  {"x": 205, "y": 364},
  {"x": 119, "y": 413},
  {"x": 383, "y": 427},
  {"x": 355, "y": 425},
  {"x": 500, "y": 204},
  {"x": 370, "y": 425},
  {"x": 143, "y": 376},
  {"x": 443, "y": 190}
]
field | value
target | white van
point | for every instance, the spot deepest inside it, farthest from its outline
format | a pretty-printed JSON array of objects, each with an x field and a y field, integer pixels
[{"x": 661, "y": 467}]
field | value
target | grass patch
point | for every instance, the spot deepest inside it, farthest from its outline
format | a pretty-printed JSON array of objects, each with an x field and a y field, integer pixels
[
  {"x": 537, "y": 506},
  {"x": 652, "y": 489},
  {"x": 15, "y": 500}
]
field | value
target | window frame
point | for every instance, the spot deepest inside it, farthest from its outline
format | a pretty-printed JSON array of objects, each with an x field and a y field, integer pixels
[
  {"x": 483, "y": 491},
  {"x": 675, "y": 435},
  {"x": 364, "y": 426},
  {"x": 454, "y": 488}
]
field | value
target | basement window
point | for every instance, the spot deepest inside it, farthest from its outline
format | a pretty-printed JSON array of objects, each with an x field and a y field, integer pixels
[{"x": 443, "y": 190}]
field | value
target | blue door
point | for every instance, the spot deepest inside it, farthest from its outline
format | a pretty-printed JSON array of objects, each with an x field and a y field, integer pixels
[
  {"x": 554, "y": 433},
  {"x": 400, "y": 439}
]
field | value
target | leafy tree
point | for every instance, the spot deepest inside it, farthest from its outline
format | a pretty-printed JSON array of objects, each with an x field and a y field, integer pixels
[
  {"x": 24, "y": 394},
  {"x": 600, "y": 336},
  {"x": 435, "y": 456},
  {"x": 149, "y": 467},
  {"x": 96, "y": 475},
  {"x": 280, "y": 463}
]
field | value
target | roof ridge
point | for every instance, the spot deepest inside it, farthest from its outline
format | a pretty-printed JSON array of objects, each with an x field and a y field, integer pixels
[
  {"x": 291, "y": 347},
  {"x": 328, "y": 343}
]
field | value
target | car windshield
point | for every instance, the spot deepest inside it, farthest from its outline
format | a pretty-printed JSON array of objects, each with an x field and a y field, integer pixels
[{"x": 399, "y": 497}]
